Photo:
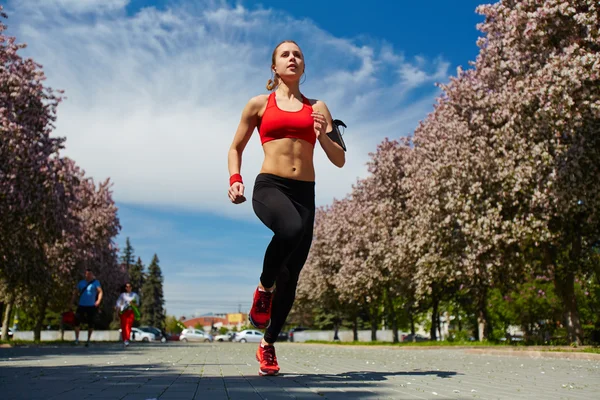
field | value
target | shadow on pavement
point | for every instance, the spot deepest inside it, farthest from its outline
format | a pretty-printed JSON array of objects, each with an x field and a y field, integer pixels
[
  {"x": 105, "y": 374},
  {"x": 369, "y": 375},
  {"x": 29, "y": 352}
]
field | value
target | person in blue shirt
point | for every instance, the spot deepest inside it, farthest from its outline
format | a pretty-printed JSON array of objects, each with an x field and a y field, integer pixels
[{"x": 90, "y": 297}]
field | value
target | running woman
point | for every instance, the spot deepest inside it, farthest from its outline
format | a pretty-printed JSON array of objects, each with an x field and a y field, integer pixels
[{"x": 289, "y": 125}]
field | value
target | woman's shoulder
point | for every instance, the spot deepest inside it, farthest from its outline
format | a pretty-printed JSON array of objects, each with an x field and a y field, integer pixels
[
  {"x": 316, "y": 103},
  {"x": 259, "y": 101},
  {"x": 255, "y": 105}
]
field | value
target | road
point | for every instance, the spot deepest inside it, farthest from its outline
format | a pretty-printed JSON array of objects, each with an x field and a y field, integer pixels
[{"x": 308, "y": 371}]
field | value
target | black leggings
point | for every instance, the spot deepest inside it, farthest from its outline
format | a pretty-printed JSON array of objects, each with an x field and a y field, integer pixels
[{"x": 287, "y": 207}]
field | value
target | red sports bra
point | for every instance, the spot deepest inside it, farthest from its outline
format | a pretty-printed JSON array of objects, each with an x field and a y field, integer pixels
[{"x": 278, "y": 124}]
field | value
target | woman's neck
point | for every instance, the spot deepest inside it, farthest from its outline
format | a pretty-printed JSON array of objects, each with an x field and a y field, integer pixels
[{"x": 293, "y": 90}]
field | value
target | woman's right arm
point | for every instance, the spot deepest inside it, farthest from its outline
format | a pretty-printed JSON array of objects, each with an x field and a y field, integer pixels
[{"x": 248, "y": 122}]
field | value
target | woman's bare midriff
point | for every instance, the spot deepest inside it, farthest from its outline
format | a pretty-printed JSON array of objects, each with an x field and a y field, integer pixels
[{"x": 289, "y": 158}]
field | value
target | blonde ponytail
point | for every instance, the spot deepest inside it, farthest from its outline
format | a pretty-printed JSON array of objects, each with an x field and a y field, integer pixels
[{"x": 273, "y": 83}]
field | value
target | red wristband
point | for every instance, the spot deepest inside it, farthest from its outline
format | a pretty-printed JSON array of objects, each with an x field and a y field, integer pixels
[{"x": 235, "y": 178}]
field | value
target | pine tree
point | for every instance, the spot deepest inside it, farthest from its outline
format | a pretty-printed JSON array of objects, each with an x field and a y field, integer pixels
[
  {"x": 137, "y": 275},
  {"x": 127, "y": 257},
  {"x": 153, "y": 310}
]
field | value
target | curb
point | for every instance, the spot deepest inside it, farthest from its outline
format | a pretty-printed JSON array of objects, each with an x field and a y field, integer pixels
[
  {"x": 574, "y": 355},
  {"x": 567, "y": 353}
]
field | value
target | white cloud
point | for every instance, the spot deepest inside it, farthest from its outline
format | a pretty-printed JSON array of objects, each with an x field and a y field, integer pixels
[
  {"x": 72, "y": 7},
  {"x": 153, "y": 99}
]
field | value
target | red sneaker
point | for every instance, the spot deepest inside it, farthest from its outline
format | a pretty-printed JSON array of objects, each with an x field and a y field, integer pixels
[
  {"x": 260, "y": 313},
  {"x": 265, "y": 355}
]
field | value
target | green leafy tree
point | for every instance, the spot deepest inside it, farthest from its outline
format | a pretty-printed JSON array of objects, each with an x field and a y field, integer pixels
[{"x": 172, "y": 325}]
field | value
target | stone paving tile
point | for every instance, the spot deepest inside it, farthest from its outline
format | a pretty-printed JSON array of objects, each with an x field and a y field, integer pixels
[{"x": 229, "y": 371}]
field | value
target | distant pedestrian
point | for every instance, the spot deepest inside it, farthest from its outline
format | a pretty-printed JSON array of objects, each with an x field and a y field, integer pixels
[
  {"x": 90, "y": 294},
  {"x": 126, "y": 305}
]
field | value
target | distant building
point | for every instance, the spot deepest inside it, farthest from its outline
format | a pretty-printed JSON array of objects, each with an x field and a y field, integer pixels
[
  {"x": 237, "y": 319},
  {"x": 217, "y": 321}
]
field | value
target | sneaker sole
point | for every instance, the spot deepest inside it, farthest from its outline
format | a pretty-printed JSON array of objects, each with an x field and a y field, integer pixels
[
  {"x": 258, "y": 326},
  {"x": 271, "y": 373}
]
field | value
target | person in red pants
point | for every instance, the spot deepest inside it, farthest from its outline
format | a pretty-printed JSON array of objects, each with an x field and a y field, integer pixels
[{"x": 125, "y": 310}]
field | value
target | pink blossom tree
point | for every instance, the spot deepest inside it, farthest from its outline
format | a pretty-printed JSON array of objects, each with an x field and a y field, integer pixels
[
  {"x": 87, "y": 244},
  {"x": 54, "y": 222},
  {"x": 508, "y": 156},
  {"x": 31, "y": 203},
  {"x": 540, "y": 63},
  {"x": 316, "y": 286}
]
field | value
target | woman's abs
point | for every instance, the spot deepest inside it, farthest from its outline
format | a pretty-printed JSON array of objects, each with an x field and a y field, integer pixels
[{"x": 289, "y": 158}]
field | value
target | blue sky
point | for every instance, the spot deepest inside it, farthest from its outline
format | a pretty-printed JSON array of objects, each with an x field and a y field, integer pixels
[{"x": 155, "y": 90}]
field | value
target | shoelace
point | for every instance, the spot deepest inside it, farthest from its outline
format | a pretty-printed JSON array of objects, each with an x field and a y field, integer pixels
[
  {"x": 264, "y": 302},
  {"x": 269, "y": 355}
]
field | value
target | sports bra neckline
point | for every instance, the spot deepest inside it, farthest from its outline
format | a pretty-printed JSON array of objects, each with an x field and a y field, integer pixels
[{"x": 305, "y": 103}]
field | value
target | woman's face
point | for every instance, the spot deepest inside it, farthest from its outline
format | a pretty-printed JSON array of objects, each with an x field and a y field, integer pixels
[
  {"x": 289, "y": 61},
  {"x": 128, "y": 288}
]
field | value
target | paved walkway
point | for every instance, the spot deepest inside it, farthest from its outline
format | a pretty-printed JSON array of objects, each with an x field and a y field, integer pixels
[{"x": 229, "y": 371}]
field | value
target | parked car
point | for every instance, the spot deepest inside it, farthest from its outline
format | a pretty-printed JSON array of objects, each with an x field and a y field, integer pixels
[
  {"x": 172, "y": 337},
  {"x": 10, "y": 333},
  {"x": 195, "y": 335},
  {"x": 157, "y": 332},
  {"x": 227, "y": 337},
  {"x": 417, "y": 338},
  {"x": 511, "y": 338},
  {"x": 139, "y": 335},
  {"x": 293, "y": 330},
  {"x": 282, "y": 337},
  {"x": 249, "y": 335}
]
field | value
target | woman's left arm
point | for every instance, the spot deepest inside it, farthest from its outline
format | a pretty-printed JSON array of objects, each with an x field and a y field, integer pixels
[{"x": 324, "y": 124}]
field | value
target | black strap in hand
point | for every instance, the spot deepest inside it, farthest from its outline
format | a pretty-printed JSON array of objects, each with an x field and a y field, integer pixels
[{"x": 335, "y": 133}]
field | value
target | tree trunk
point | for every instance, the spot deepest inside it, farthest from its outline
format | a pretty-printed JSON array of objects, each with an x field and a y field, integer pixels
[
  {"x": 355, "y": 329},
  {"x": 434, "y": 316},
  {"x": 39, "y": 323},
  {"x": 564, "y": 281},
  {"x": 395, "y": 337},
  {"x": 482, "y": 317},
  {"x": 6, "y": 320},
  {"x": 336, "y": 328},
  {"x": 374, "y": 328},
  {"x": 393, "y": 319},
  {"x": 411, "y": 315}
]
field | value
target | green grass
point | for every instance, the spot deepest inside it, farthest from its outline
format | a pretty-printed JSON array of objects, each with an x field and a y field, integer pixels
[
  {"x": 581, "y": 349},
  {"x": 594, "y": 350},
  {"x": 500, "y": 345},
  {"x": 414, "y": 344},
  {"x": 18, "y": 342}
]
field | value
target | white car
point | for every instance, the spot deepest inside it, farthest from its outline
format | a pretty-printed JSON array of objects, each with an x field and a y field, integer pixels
[
  {"x": 10, "y": 332},
  {"x": 138, "y": 335},
  {"x": 228, "y": 337},
  {"x": 195, "y": 335},
  {"x": 249, "y": 335}
]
